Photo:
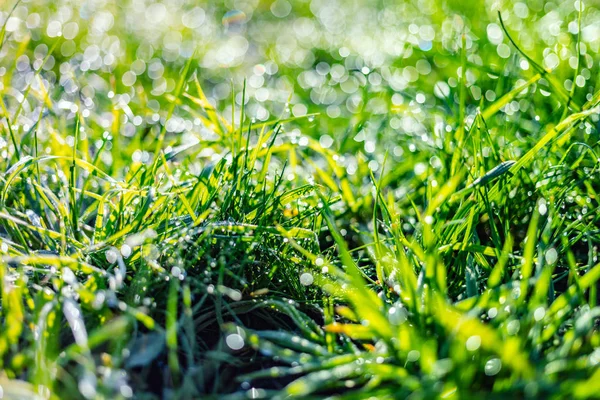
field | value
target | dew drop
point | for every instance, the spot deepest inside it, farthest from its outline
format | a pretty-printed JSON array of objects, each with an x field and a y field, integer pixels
[
  {"x": 234, "y": 341},
  {"x": 306, "y": 279},
  {"x": 493, "y": 366},
  {"x": 473, "y": 343}
]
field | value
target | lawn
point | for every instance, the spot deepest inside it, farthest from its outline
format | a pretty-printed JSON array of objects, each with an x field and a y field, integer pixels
[{"x": 300, "y": 198}]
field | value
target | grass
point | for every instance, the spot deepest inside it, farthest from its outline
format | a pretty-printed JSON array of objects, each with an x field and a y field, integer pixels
[{"x": 208, "y": 205}]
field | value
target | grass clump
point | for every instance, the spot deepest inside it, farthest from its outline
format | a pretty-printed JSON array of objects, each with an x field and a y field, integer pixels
[{"x": 323, "y": 217}]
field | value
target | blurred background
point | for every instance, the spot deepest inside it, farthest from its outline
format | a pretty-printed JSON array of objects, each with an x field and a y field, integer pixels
[{"x": 383, "y": 75}]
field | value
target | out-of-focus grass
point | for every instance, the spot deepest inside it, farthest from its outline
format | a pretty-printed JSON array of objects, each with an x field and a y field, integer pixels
[{"x": 299, "y": 198}]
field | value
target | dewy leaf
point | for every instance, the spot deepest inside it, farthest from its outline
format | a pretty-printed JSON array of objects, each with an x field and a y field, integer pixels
[{"x": 465, "y": 326}]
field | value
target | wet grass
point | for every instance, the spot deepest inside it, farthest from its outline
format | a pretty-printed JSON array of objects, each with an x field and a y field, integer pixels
[{"x": 383, "y": 225}]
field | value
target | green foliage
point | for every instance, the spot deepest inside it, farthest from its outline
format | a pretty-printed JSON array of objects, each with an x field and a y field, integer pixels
[{"x": 299, "y": 199}]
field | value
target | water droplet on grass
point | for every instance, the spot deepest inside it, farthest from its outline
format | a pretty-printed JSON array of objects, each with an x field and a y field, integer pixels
[
  {"x": 111, "y": 255},
  {"x": 397, "y": 315},
  {"x": 234, "y": 341},
  {"x": 473, "y": 343},
  {"x": 551, "y": 256},
  {"x": 513, "y": 327},
  {"x": 539, "y": 313},
  {"x": 176, "y": 272},
  {"x": 306, "y": 279},
  {"x": 493, "y": 366},
  {"x": 125, "y": 250}
]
